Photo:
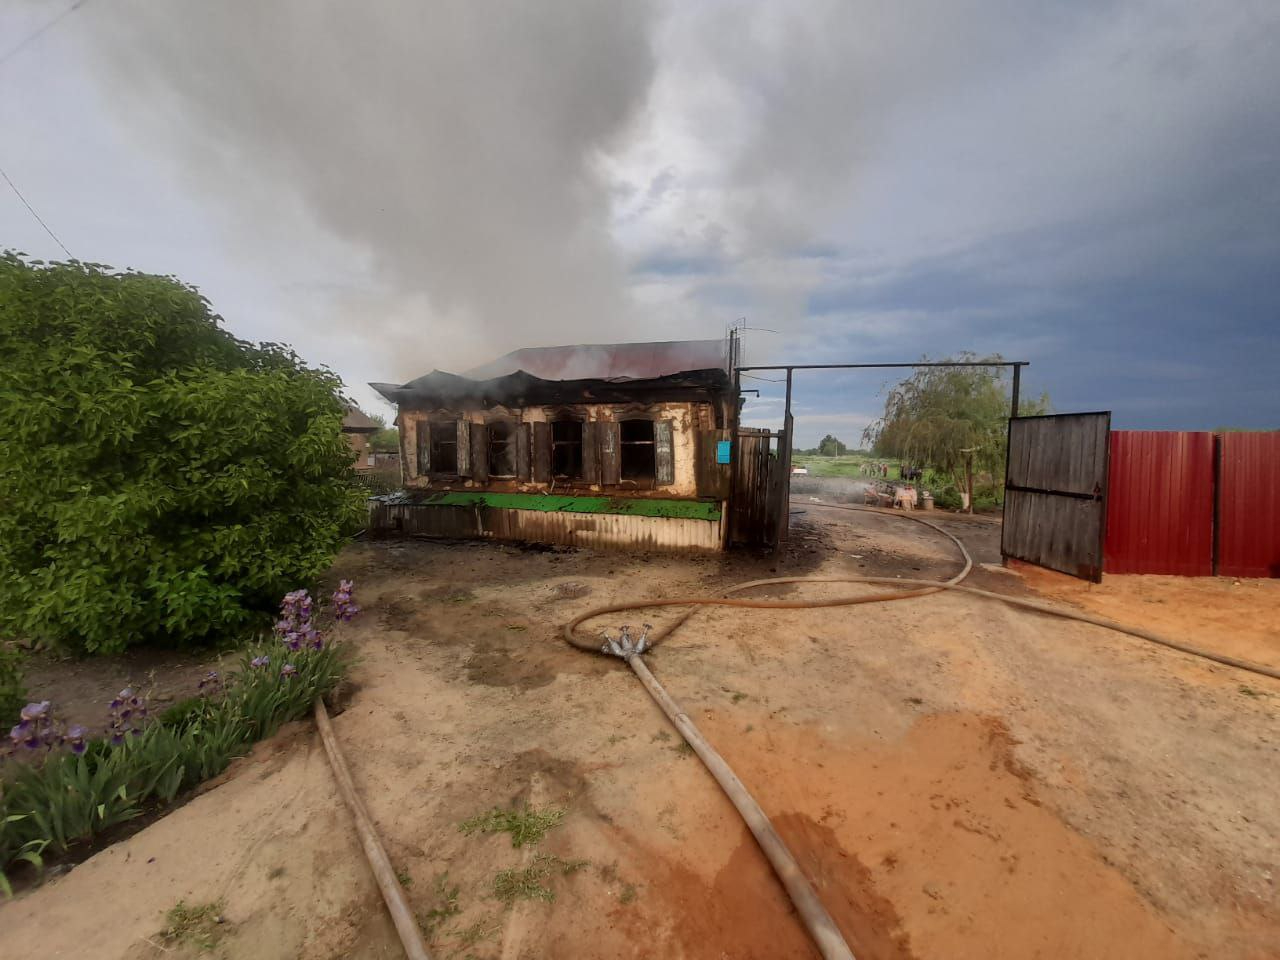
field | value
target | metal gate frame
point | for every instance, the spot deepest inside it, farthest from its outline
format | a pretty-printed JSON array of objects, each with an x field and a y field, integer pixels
[{"x": 1013, "y": 493}]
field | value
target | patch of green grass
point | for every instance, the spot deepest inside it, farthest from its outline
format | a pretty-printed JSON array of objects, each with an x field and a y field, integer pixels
[
  {"x": 683, "y": 748},
  {"x": 446, "y": 907},
  {"x": 483, "y": 929},
  {"x": 530, "y": 882},
  {"x": 737, "y": 696},
  {"x": 849, "y": 465},
  {"x": 1251, "y": 692},
  {"x": 661, "y": 737},
  {"x": 629, "y": 893},
  {"x": 406, "y": 881},
  {"x": 524, "y": 825},
  {"x": 517, "y": 626},
  {"x": 615, "y": 738},
  {"x": 198, "y": 924}
]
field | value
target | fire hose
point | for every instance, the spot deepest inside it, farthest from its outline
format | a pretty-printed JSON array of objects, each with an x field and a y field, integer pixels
[{"x": 819, "y": 923}]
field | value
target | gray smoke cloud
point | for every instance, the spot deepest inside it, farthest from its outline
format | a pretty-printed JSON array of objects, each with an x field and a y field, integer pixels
[{"x": 455, "y": 146}]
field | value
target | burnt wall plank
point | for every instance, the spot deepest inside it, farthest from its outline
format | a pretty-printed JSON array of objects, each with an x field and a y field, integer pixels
[
  {"x": 541, "y": 452},
  {"x": 610, "y": 462}
]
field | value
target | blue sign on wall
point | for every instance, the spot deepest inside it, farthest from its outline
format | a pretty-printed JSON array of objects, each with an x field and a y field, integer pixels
[{"x": 722, "y": 451}]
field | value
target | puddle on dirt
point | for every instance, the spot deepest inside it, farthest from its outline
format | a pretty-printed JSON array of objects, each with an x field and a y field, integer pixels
[{"x": 846, "y": 888}]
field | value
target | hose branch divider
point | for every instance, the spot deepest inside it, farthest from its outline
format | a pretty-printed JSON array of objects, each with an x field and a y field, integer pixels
[{"x": 817, "y": 920}]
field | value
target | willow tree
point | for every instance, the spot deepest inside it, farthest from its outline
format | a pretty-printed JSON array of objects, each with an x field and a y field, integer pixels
[
  {"x": 160, "y": 480},
  {"x": 952, "y": 420}
]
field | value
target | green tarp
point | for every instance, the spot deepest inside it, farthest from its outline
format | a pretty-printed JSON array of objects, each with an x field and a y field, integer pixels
[{"x": 550, "y": 503}]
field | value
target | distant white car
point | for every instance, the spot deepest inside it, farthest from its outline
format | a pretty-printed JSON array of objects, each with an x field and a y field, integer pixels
[{"x": 799, "y": 471}]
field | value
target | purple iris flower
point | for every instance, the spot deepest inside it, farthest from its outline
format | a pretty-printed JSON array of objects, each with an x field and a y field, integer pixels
[
  {"x": 260, "y": 661},
  {"x": 288, "y": 670},
  {"x": 76, "y": 738},
  {"x": 35, "y": 711}
]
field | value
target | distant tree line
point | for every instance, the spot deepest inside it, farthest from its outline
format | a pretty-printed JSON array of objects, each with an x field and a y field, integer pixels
[{"x": 830, "y": 446}]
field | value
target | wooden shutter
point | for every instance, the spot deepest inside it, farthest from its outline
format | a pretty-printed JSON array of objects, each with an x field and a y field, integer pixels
[
  {"x": 423, "y": 430},
  {"x": 541, "y": 452},
  {"x": 610, "y": 462},
  {"x": 464, "y": 448},
  {"x": 590, "y": 459},
  {"x": 522, "y": 451},
  {"x": 479, "y": 452},
  {"x": 664, "y": 452}
]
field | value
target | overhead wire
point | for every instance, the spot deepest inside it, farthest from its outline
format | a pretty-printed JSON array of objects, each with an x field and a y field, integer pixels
[
  {"x": 30, "y": 209},
  {"x": 4, "y": 59},
  {"x": 39, "y": 32}
]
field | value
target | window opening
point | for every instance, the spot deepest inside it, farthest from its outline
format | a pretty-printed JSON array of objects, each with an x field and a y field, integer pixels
[
  {"x": 444, "y": 446},
  {"x": 566, "y": 449},
  {"x": 638, "y": 459},
  {"x": 502, "y": 449}
]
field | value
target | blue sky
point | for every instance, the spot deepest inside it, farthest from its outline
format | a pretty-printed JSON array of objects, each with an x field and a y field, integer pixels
[{"x": 1093, "y": 187}]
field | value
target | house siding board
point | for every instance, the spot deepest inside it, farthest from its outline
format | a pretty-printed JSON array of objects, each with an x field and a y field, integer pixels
[
  {"x": 1249, "y": 505},
  {"x": 542, "y": 452},
  {"x": 590, "y": 454},
  {"x": 663, "y": 453},
  {"x": 1160, "y": 503},
  {"x": 610, "y": 462},
  {"x": 479, "y": 452},
  {"x": 593, "y": 530}
]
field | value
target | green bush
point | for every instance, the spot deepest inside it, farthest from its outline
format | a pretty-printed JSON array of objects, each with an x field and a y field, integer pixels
[
  {"x": 947, "y": 498},
  {"x": 12, "y": 692},
  {"x": 161, "y": 481},
  {"x": 70, "y": 798}
]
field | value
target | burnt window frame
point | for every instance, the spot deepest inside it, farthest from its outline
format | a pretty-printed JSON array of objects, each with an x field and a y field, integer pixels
[
  {"x": 580, "y": 421},
  {"x": 512, "y": 428},
  {"x": 439, "y": 433},
  {"x": 436, "y": 427}
]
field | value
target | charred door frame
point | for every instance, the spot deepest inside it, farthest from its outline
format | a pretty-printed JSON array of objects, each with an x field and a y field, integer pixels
[{"x": 1098, "y": 495}]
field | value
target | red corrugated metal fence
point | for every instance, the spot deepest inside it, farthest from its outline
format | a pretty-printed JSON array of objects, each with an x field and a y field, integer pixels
[
  {"x": 1162, "y": 492},
  {"x": 1160, "y": 503},
  {"x": 1249, "y": 505}
]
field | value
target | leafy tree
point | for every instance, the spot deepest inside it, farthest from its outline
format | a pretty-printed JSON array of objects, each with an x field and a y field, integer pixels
[
  {"x": 949, "y": 418},
  {"x": 829, "y": 446},
  {"x": 386, "y": 440},
  {"x": 160, "y": 481}
]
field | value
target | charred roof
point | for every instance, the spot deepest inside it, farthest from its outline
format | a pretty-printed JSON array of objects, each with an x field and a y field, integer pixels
[{"x": 590, "y": 373}]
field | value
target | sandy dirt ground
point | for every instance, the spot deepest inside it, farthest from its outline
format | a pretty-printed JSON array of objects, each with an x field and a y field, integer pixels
[{"x": 959, "y": 778}]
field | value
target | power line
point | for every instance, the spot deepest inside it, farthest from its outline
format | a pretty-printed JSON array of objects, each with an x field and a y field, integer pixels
[
  {"x": 31, "y": 209},
  {"x": 14, "y": 51}
]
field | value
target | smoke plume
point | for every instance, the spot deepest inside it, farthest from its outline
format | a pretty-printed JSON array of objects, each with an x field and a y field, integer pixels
[{"x": 454, "y": 146}]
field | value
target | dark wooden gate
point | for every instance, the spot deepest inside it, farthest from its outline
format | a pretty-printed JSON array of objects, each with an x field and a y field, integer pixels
[
  {"x": 1055, "y": 500},
  {"x": 757, "y": 489}
]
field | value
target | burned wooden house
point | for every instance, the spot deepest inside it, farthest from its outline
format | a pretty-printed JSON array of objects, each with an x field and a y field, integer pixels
[{"x": 601, "y": 445}]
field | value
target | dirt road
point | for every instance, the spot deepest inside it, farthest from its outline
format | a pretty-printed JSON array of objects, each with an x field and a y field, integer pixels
[{"x": 960, "y": 779}]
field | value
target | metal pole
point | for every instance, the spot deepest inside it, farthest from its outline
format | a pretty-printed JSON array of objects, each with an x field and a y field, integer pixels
[
  {"x": 1017, "y": 387},
  {"x": 731, "y": 505},
  {"x": 784, "y": 462}
]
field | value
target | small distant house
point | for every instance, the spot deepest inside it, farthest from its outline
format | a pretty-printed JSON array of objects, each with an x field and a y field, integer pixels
[
  {"x": 597, "y": 445},
  {"x": 358, "y": 429}
]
